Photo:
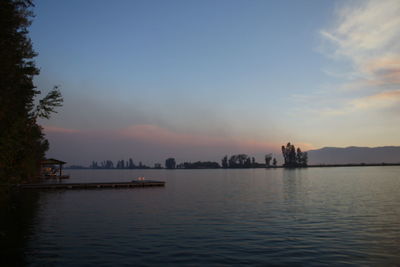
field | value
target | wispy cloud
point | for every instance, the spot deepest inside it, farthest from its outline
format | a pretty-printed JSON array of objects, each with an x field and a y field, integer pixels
[
  {"x": 366, "y": 34},
  {"x": 380, "y": 100},
  {"x": 366, "y": 31}
]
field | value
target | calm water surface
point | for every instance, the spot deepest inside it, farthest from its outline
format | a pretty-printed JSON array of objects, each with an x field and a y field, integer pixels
[{"x": 316, "y": 216}]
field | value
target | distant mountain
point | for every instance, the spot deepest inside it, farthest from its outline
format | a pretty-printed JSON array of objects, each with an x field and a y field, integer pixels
[{"x": 336, "y": 155}]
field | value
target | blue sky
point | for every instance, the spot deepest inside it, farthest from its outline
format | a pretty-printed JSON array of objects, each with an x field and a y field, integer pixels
[{"x": 201, "y": 79}]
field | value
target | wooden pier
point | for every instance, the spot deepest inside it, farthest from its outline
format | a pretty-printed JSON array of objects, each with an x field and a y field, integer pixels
[{"x": 148, "y": 183}]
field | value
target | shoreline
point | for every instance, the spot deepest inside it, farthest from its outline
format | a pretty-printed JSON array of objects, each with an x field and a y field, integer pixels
[{"x": 276, "y": 167}]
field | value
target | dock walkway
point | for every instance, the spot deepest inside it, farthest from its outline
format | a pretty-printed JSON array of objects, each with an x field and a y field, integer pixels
[{"x": 148, "y": 183}]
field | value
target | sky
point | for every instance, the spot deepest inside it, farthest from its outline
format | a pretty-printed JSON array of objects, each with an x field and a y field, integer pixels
[{"x": 197, "y": 80}]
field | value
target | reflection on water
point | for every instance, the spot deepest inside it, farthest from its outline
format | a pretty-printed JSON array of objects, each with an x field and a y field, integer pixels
[
  {"x": 310, "y": 216},
  {"x": 18, "y": 213}
]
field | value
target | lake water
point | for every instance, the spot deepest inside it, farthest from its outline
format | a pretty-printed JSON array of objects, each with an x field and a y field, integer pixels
[{"x": 315, "y": 216}]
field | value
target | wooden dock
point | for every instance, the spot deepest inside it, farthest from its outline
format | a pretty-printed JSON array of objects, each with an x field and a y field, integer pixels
[{"x": 148, "y": 183}]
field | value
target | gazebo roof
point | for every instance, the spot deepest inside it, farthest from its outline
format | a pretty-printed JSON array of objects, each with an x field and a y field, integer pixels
[{"x": 52, "y": 161}]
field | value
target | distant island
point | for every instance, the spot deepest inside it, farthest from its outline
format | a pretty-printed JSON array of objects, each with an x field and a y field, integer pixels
[
  {"x": 291, "y": 157},
  {"x": 355, "y": 155}
]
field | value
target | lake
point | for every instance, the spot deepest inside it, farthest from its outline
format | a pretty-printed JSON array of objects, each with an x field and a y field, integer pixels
[{"x": 314, "y": 216}]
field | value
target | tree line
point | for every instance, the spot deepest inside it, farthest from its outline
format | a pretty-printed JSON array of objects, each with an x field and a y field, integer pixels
[
  {"x": 293, "y": 158},
  {"x": 121, "y": 164},
  {"x": 244, "y": 161}
]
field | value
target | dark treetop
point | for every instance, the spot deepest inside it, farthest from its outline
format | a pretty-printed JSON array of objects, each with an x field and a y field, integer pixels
[{"x": 22, "y": 143}]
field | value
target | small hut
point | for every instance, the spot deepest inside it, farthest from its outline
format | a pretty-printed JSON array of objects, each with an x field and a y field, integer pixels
[{"x": 52, "y": 168}]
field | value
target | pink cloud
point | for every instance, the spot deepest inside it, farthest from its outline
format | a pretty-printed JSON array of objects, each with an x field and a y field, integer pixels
[
  {"x": 154, "y": 143},
  {"x": 155, "y": 134},
  {"x": 151, "y": 143},
  {"x": 380, "y": 100},
  {"x": 384, "y": 70}
]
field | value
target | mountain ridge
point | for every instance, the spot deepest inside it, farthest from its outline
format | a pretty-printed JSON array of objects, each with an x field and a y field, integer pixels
[{"x": 354, "y": 155}]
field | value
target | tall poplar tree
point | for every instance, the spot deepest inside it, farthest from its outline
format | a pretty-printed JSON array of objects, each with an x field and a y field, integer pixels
[{"x": 22, "y": 143}]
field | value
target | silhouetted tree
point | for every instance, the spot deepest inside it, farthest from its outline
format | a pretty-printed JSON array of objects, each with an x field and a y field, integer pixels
[
  {"x": 120, "y": 164},
  {"x": 131, "y": 165},
  {"x": 157, "y": 166},
  {"x": 107, "y": 164},
  {"x": 239, "y": 161},
  {"x": 94, "y": 165},
  {"x": 247, "y": 163},
  {"x": 304, "y": 161},
  {"x": 232, "y": 162},
  {"x": 48, "y": 104},
  {"x": 199, "y": 165},
  {"x": 268, "y": 159},
  {"x": 224, "y": 162},
  {"x": 170, "y": 163},
  {"x": 22, "y": 143},
  {"x": 289, "y": 155},
  {"x": 274, "y": 162},
  {"x": 292, "y": 157},
  {"x": 302, "y": 158}
]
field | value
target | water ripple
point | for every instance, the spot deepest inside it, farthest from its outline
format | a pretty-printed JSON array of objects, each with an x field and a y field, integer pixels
[{"x": 327, "y": 216}]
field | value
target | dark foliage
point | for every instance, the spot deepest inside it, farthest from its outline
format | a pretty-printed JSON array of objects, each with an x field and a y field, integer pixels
[
  {"x": 199, "y": 165},
  {"x": 22, "y": 143},
  {"x": 294, "y": 158},
  {"x": 239, "y": 161},
  {"x": 224, "y": 162},
  {"x": 170, "y": 163},
  {"x": 130, "y": 164},
  {"x": 268, "y": 159},
  {"x": 121, "y": 164}
]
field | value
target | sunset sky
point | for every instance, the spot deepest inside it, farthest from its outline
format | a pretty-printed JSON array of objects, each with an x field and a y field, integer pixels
[{"x": 197, "y": 80}]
